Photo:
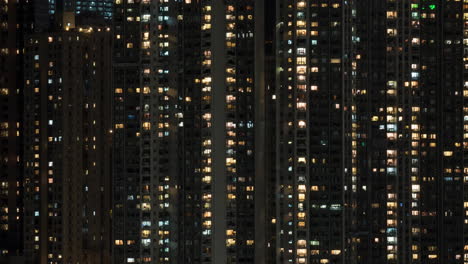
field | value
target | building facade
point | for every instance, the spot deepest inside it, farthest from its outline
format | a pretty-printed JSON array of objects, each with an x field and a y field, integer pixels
[
  {"x": 236, "y": 131},
  {"x": 11, "y": 90},
  {"x": 371, "y": 132},
  {"x": 312, "y": 78},
  {"x": 188, "y": 111},
  {"x": 67, "y": 144},
  {"x": 410, "y": 108}
]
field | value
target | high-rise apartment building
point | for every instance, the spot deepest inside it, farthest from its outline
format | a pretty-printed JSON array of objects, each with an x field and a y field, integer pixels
[
  {"x": 67, "y": 144},
  {"x": 18, "y": 21},
  {"x": 11, "y": 209},
  {"x": 188, "y": 142},
  {"x": 235, "y": 131},
  {"x": 409, "y": 137},
  {"x": 371, "y": 132},
  {"x": 311, "y": 146}
]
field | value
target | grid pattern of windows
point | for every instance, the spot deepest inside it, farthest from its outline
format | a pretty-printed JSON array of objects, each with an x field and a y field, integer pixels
[
  {"x": 66, "y": 128},
  {"x": 371, "y": 101},
  {"x": 11, "y": 207},
  {"x": 185, "y": 99}
]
